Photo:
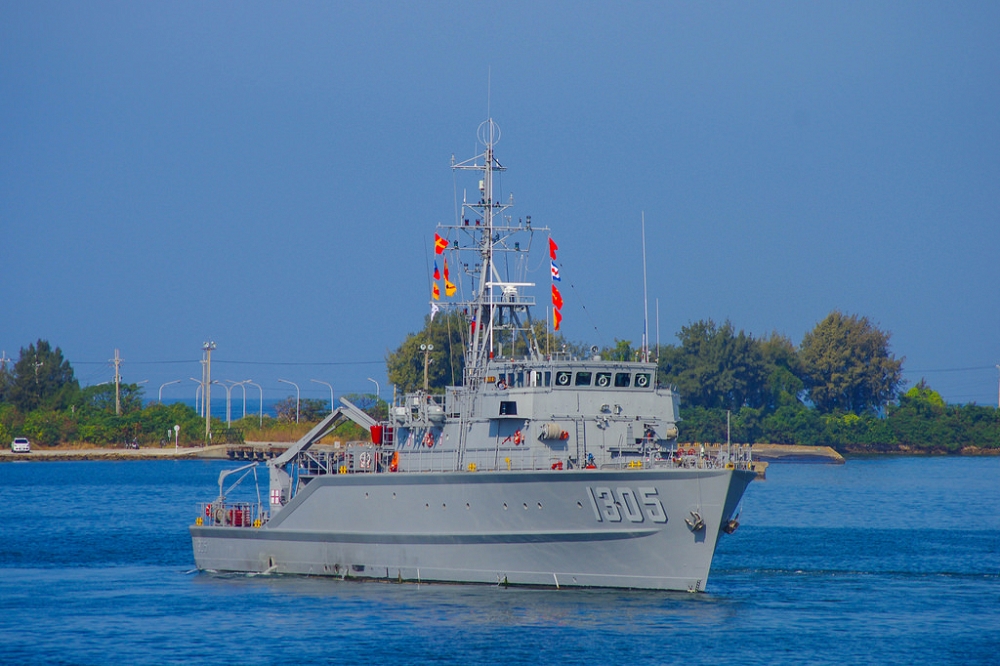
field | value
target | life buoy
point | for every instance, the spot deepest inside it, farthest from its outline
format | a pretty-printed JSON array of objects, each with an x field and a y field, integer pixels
[
  {"x": 394, "y": 465},
  {"x": 690, "y": 452},
  {"x": 428, "y": 439},
  {"x": 517, "y": 437}
]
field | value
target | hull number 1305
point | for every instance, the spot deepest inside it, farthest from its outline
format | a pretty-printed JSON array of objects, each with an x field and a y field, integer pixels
[{"x": 614, "y": 505}]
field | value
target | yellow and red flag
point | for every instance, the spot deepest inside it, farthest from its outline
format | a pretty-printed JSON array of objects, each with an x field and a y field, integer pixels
[
  {"x": 449, "y": 287},
  {"x": 556, "y": 319},
  {"x": 436, "y": 292},
  {"x": 440, "y": 244}
]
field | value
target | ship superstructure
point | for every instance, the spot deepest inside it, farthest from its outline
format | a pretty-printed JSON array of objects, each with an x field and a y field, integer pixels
[{"x": 539, "y": 469}]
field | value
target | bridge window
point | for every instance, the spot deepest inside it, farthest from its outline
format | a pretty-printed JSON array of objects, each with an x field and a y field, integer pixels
[
  {"x": 508, "y": 408},
  {"x": 603, "y": 379},
  {"x": 622, "y": 379},
  {"x": 563, "y": 378},
  {"x": 642, "y": 380},
  {"x": 583, "y": 378}
]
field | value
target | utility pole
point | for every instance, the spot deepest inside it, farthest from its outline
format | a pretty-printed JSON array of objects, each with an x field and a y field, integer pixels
[
  {"x": 998, "y": 390},
  {"x": 117, "y": 360},
  {"x": 207, "y": 392}
]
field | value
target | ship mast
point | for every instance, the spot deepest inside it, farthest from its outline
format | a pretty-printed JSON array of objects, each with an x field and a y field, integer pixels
[{"x": 498, "y": 312}]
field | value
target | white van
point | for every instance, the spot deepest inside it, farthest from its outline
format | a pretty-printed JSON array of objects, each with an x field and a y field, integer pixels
[{"x": 20, "y": 445}]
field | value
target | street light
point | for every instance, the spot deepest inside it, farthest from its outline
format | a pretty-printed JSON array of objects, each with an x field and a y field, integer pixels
[
  {"x": 229, "y": 402},
  {"x": 199, "y": 404},
  {"x": 377, "y": 392},
  {"x": 331, "y": 392},
  {"x": 426, "y": 349},
  {"x": 177, "y": 434},
  {"x": 261, "y": 404},
  {"x": 243, "y": 385},
  {"x": 296, "y": 397},
  {"x": 160, "y": 394}
]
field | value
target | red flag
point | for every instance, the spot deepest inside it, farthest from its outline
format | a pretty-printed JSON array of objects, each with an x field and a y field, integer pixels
[
  {"x": 440, "y": 244},
  {"x": 552, "y": 249},
  {"x": 437, "y": 273},
  {"x": 446, "y": 276},
  {"x": 556, "y": 320},
  {"x": 556, "y": 298}
]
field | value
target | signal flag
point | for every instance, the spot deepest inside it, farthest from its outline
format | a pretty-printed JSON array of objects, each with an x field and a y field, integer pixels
[{"x": 440, "y": 244}]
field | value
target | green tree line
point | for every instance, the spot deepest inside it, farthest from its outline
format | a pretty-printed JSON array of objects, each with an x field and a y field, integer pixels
[
  {"x": 841, "y": 386},
  {"x": 41, "y": 399}
]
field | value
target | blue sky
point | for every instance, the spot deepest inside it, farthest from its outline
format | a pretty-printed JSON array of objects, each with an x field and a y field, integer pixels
[{"x": 269, "y": 175}]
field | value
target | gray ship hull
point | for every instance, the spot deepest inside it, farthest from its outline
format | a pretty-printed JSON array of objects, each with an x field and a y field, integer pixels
[{"x": 599, "y": 528}]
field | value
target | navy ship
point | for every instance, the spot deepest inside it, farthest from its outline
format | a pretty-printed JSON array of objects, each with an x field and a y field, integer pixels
[{"x": 540, "y": 469}]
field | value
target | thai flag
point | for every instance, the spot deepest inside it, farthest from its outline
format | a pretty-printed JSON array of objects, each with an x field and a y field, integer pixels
[{"x": 555, "y": 272}]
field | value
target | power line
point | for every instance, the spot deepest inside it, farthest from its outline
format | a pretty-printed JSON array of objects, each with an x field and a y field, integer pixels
[
  {"x": 981, "y": 367},
  {"x": 238, "y": 362}
]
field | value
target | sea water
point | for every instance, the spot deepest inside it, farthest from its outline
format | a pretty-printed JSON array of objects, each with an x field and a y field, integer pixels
[{"x": 882, "y": 560}]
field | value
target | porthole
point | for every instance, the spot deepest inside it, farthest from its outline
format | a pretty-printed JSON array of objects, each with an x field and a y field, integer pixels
[
  {"x": 505, "y": 506},
  {"x": 579, "y": 505},
  {"x": 539, "y": 505},
  {"x": 467, "y": 507},
  {"x": 525, "y": 506}
]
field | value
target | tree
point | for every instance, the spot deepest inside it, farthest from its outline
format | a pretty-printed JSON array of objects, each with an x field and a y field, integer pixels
[
  {"x": 622, "y": 351},
  {"x": 369, "y": 403},
  {"x": 102, "y": 398},
  {"x": 445, "y": 363},
  {"x": 306, "y": 410},
  {"x": 784, "y": 372},
  {"x": 848, "y": 365},
  {"x": 715, "y": 367},
  {"x": 42, "y": 378}
]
